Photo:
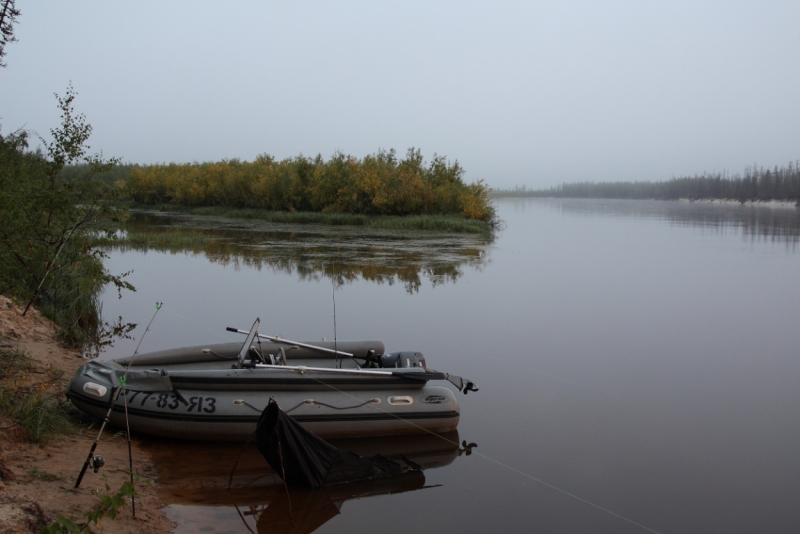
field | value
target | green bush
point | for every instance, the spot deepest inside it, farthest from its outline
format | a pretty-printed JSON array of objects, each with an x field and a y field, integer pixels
[
  {"x": 49, "y": 226},
  {"x": 109, "y": 506}
]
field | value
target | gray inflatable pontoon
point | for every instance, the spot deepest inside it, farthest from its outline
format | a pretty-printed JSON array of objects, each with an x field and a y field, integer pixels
[{"x": 217, "y": 392}]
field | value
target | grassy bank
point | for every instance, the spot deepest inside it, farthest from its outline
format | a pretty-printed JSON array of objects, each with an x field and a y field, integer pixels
[
  {"x": 31, "y": 398},
  {"x": 443, "y": 223}
]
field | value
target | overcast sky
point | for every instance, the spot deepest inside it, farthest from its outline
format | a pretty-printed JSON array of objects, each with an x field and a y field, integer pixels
[{"x": 534, "y": 93}]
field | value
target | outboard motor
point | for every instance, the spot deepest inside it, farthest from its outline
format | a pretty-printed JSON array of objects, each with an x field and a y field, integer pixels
[{"x": 403, "y": 359}]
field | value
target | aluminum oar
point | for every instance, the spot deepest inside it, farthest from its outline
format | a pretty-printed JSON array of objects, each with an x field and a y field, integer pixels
[
  {"x": 278, "y": 339},
  {"x": 302, "y": 369}
]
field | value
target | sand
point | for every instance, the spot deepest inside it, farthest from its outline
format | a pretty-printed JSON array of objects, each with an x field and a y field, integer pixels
[{"x": 36, "y": 481}]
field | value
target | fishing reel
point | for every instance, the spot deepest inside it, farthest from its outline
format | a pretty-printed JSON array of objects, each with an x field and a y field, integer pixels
[{"x": 97, "y": 463}]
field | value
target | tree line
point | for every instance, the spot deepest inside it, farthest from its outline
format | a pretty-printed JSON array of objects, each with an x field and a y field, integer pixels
[
  {"x": 378, "y": 184},
  {"x": 757, "y": 183},
  {"x": 115, "y": 176}
]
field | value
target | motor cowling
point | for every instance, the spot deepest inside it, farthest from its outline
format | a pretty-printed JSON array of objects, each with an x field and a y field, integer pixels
[{"x": 403, "y": 360}]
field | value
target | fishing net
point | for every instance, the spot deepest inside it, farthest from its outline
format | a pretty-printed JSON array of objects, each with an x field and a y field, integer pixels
[{"x": 303, "y": 459}]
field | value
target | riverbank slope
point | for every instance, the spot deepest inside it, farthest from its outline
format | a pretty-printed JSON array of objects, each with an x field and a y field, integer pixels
[{"x": 36, "y": 481}]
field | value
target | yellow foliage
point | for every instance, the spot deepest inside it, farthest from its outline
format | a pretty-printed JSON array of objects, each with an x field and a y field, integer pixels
[{"x": 378, "y": 184}]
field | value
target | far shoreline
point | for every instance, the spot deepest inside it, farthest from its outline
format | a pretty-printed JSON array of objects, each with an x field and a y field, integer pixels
[
  {"x": 752, "y": 203},
  {"x": 710, "y": 201}
]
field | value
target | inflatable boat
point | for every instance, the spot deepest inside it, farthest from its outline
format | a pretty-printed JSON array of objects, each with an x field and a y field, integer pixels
[{"x": 217, "y": 392}]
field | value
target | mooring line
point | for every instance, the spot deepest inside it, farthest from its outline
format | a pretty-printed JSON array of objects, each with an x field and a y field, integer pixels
[
  {"x": 489, "y": 458},
  {"x": 498, "y": 462},
  {"x": 510, "y": 468},
  {"x": 517, "y": 363},
  {"x": 470, "y": 351},
  {"x": 216, "y": 333}
]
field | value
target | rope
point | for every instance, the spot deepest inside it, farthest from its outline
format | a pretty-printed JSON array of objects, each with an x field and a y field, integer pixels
[
  {"x": 520, "y": 363},
  {"x": 202, "y": 327},
  {"x": 312, "y": 402},
  {"x": 519, "y": 472},
  {"x": 236, "y": 463},
  {"x": 242, "y": 516},
  {"x": 285, "y": 487},
  {"x": 344, "y": 407},
  {"x": 501, "y": 464}
]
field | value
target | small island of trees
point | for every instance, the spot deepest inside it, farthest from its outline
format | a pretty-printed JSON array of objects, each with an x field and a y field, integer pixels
[
  {"x": 378, "y": 184},
  {"x": 380, "y": 190}
]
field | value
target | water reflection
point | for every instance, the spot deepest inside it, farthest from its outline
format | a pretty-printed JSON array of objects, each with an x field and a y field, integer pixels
[
  {"x": 194, "y": 477},
  {"x": 295, "y": 511},
  {"x": 313, "y": 252},
  {"x": 755, "y": 222}
]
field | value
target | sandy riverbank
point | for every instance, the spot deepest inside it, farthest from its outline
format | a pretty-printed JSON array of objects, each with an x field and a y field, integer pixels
[{"x": 36, "y": 482}]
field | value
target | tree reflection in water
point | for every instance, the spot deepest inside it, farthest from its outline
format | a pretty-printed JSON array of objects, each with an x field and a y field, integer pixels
[
  {"x": 313, "y": 252},
  {"x": 755, "y": 222}
]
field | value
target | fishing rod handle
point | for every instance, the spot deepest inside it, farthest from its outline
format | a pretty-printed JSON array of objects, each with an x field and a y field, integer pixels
[{"x": 86, "y": 464}]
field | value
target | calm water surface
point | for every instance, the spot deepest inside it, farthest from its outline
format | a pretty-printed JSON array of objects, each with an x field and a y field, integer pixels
[{"x": 639, "y": 366}]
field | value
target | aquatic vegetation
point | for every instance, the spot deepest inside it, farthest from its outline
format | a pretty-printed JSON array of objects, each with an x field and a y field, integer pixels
[
  {"x": 436, "y": 222},
  {"x": 340, "y": 253}
]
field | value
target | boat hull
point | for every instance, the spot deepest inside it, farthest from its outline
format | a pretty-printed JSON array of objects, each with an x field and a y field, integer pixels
[
  {"x": 224, "y": 404},
  {"x": 232, "y": 416}
]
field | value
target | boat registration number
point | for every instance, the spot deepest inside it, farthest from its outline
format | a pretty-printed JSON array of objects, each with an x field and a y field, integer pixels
[{"x": 173, "y": 402}]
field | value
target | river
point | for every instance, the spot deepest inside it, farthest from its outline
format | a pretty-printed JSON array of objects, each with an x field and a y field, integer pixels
[{"x": 638, "y": 365}]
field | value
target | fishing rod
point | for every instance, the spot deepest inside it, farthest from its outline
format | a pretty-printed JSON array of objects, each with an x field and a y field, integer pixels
[
  {"x": 49, "y": 266},
  {"x": 98, "y": 461},
  {"x": 302, "y": 369},
  {"x": 333, "y": 285}
]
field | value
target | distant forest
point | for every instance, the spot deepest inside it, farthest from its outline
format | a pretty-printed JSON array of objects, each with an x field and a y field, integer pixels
[
  {"x": 757, "y": 183},
  {"x": 115, "y": 176}
]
